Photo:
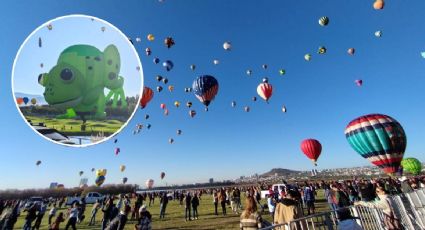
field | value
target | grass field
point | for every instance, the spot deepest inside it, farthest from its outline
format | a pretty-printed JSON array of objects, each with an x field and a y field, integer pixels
[
  {"x": 72, "y": 127},
  {"x": 175, "y": 216}
]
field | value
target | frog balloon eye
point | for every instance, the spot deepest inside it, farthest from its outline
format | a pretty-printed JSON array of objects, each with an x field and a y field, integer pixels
[
  {"x": 112, "y": 76},
  {"x": 67, "y": 75}
]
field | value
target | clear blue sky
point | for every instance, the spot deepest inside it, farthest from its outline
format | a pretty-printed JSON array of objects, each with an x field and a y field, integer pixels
[{"x": 320, "y": 95}]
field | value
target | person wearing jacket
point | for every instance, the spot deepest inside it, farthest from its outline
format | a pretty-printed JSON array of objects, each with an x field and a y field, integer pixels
[
  {"x": 287, "y": 210},
  {"x": 55, "y": 225},
  {"x": 107, "y": 212},
  {"x": 163, "y": 205},
  {"x": 250, "y": 218},
  {"x": 222, "y": 200},
  {"x": 195, "y": 204},
  {"x": 309, "y": 199},
  {"x": 187, "y": 206}
]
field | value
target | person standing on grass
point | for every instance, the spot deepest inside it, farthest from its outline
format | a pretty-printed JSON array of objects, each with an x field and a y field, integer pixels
[
  {"x": 81, "y": 210},
  {"x": 163, "y": 205},
  {"x": 195, "y": 204},
  {"x": 271, "y": 204},
  {"x": 136, "y": 207},
  {"x": 55, "y": 225},
  {"x": 41, "y": 211},
  {"x": 215, "y": 200},
  {"x": 94, "y": 210},
  {"x": 288, "y": 209},
  {"x": 187, "y": 206},
  {"x": 222, "y": 200},
  {"x": 52, "y": 213},
  {"x": 9, "y": 215},
  {"x": 72, "y": 218},
  {"x": 107, "y": 212},
  {"x": 30, "y": 217},
  {"x": 309, "y": 199},
  {"x": 145, "y": 221},
  {"x": 250, "y": 218}
]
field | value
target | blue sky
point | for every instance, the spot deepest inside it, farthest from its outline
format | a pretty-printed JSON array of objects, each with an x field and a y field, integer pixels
[{"x": 320, "y": 96}]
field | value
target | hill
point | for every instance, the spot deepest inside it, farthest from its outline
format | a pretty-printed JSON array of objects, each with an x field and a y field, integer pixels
[{"x": 279, "y": 172}]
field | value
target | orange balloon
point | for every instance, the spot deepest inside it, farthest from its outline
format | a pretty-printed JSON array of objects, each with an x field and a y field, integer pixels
[
  {"x": 378, "y": 5},
  {"x": 19, "y": 100}
]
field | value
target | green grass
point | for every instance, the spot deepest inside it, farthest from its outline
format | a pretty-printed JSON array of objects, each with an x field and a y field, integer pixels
[
  {"x": 175, "y": 216},
  {"x": 72, "y": 127}
]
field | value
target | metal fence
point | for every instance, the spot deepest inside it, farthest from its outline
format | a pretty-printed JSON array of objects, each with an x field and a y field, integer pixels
[{"x": 409, "y": 208}]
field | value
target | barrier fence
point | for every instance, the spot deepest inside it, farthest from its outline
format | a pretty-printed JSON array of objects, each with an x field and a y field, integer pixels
[{"x": 409, "y": 208}]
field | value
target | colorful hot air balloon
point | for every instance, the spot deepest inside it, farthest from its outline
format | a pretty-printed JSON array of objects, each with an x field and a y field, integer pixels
[
  {"x": 50, "y": 27},
  {"x": 264, "y": 66},
  {"x": 101, "y": 172},
  {"x": 192, "y": 67},
  {"x": 92, "y": 169},
  {"x": 166, "y": 112},
  {"x": 249, "y": 72},
  {"x": 148, "y": 51},
  {"x": 412, "y": 165},
  {"x": 265, "y": 91},
  {"x": 216, "y": 61},
  {"x": 233, "y": 104},
  {"x": 205, "y": 88},
  {"x": 163, "y": 106},
  {"x": 26, "y": 100},
  {"x": 138, "y": 39},
  {"x": 40, "y": 42},
  {"x": 156, "y": 60},
  {"x": 103, "y": 28},
  {"x": 378, "y": 4},
  {"x": 171, "y": 140},
  {"x": 324, "y": 21},
  {"x": 162, "y": 175},
  {"x": 312, "y": 149},
  {"x": 146, "y": 116},
  {"x": 378, "y": 138},
  {"x": 165, "y": 80},
  {"x": 284, "y": 109},
  {"x": 307, "y": 57},
  {"x": 265, "y": 80},
  {"x": 168, "y": 65},
  {"x": 146, "y": 97},
  {"x": 159, "y": 78},
  {"x": 159, "y": 89},
  {"x": 150, "y": 37},
  {"x": 117, "y": 151},
  {"x": 177, "y": 104},
  {"x": 122, "y": 168},
  {"x": 192, "y": 113},
  {"x": 254, "y": 98},
  {"x": 189, "y": 104},
  {"x": 321, "y": 50},
  {"x": 359, "y": 82},
  {"x": 169, "y": 42},
  {"x": 351, "y": 51},
  {"x": 124, "y": 180},
  {"x": 282, "y": 72},
  {"x": 247, "y": 109},
  {"x": 227, "y": 46},
  {"x": 170, "y": 88},
  {"x": 99, "y": 180},
  {"x": 378, "y": 34},
  {"x": 149, "y": 183}
]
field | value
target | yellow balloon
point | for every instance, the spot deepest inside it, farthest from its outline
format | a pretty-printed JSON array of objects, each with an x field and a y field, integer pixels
[
  {"x": 151, "y": 37},
  {"x": 176, "y": 103},
  {"x": 101, "y": 172},
  {"x": 171, "y": 88},
  {"x": 122, "y": 168}
]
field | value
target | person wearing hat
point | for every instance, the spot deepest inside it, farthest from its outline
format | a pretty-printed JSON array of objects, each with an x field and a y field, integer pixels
[{"x": 145, "y": 220}]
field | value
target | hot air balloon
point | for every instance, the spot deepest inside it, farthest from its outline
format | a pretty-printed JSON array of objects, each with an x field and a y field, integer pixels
[
  {"x": 423, "y": 54},
  {"x": 227, "y": 46},
  {"x": 150, "y": 37},
  {"x": 324, "y": 21},
  {"x": 159, "y": 89},
  {"x": 163, "y": 106},
  {"x": 282, "y": 72},
  {"x": 321, "y": 50},
  {"x": 378, "y": 4},
  {"x": 170, "y": 88},
  {"x": 115, "y": 140},
  {"x": 312, "y": 149},
  {"x": 189, "y": 104},
  {"x": 148, "y": 51},
  {"x": 162, "y": 175},
  {"x": 171, "y": 140},
  {"x": 92, "y": 169},
  {"x": 264, "y": 66},
  {"x": 249, "y": 72},
  {"x": 192, "y": 67},
  {"x": 159, "y": 78},
  {"x": 33, "y": 101},
  {"x": 233, "y": 104},
  {"x": 359, "y": 82},
  {"x": 99, "y": 180},
  {"x": 81, "y": 173},
  {"x": 378, "y": 138},
  {"x": 166, "y": 112},
  {"x": 146, "y": 116},
  {"x": 169, "y": 42},
  {"x": 246, "y": 109},
  {"x": 149, "y": 183},
  {"x": 156, "y": 60},
  {"x": 216, "y": 61},
  {"x": 148, "y": 126},
  {"x": 177, "y": 104},
  {"x": 307, "y": 57},
  {"x": 40, "y": 43},
  {"x": 412, "y": 165},
  {"x": 351, "y": 51},
  {"x": 122, "y": 168},
  {"x": 179, "y": 132},
  {"x": 138, "y": 39},
  {"x": 146, "y": 97},
  {"x": 117, "y": 151},
  {"x": 168, "y": 65},
  {"x": 265, "y": 91},
  {"x": 37, "y": 163},
  {"x": 103, "y": 28},
  {"x": 378, "y": 34},
  {"x": 25, "y": 99},
  {"x": 265, "y": 80},
  {"x": 284, "y": 109},
  {"x": 192, "y": 113},
  {"x": 254, "y": 98},
  {"x": 124, "y": 180},
  {"x": 138, "y": 68},
  {"x": 101, "y": 172},
  {"x": 205, "y": 88},
  {"x": 165, "y": 80},
  {"x": 41, "y": 65},
  {"x": 50, "y": 27},
  {"x": 19, "y": 100}
]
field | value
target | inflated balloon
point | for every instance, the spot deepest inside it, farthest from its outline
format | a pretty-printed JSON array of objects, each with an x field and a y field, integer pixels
[
  {"x": 138, "y": 39},
  {"x": 162, "y": 175},
  {"x": 166, "y": 112},
  {"x": 117, "y": 151},
  {"x": 351, "y": 51},
  {"x": 37, "y": 163},
  {"x": 264, "y": 66},
  {"x": 284, "y": 109},
  {"x": 92, "y": 169},
  {"x": 81, "y": 173},
  {"x": 101, "y": 172},
  {"x": 149, "y": 183},
  {"x": 33, "y": 101},
  {"x": 189, "y": 104},
  {"x": 122, "y": 168},
  {"x": 216, "y": 62},
  {"x": 205, "y": 88},
  {"x": 40, "y": 43},
  {"x": 103, "y": 28},
  {"x": 192, "y": 113},
  {"x": 170, "y": 88},
  {"x": 249, "y": 72},
  {"x": 159, "y": 88},
  {"x": 165, "y": 80},
  {"x": 50, "y": 27},
  {"x": 378, "y": 4},
  {"x": 192, "y": 67},
  {"x": 307, "y": 57},
  {"x": 254, "y": 98},
  {"x": 25, "y": 99},
  {"x": 227, "y": 46},
  {"x": 321, "y": 50},
  {"x": 169, "y": 42},
  {"x": 41, "y": 65},
  {"x": 168, "y": 65},
  {"x": 324, "y": 21},
  {"x": 138, "y": 68},
  {"x": 99, "y": 180},
  {"x": 265, "y": 91},
  {"x": 171, "y": 140},
  {"x": 179, "y": 132},
  {"x": 233, "y": 104},
  {"x": 312, "y": 149},
  {"x": 412, "y": 165},
  {"x": 423, "y": 54},
  {"x": 151, "y": 37},
  {"x": 378, "y": 138},
  {"x": 265, "y": 80},
  {"x": 282, "y": 72},
  {"x": 148, "y": 51},
  {"x": 359, "y": 82},
  {"x": 19, "y": 100},
  {"x": 163, "y": 106},
  {"x": 156, "y": 60},
  {"x": 378, "y": 33},
  {"x": 148, "y": 126},
  {"x": 246, "y": 109},
  {"x": 124, "y": 180},
  {"x": 147, "y": 116},
  {"x": 146, "y": 97},
  {"x": 115, "y": 141},
  {"x": 159, "y": 78},
  {"x": 177, "y": 104}
]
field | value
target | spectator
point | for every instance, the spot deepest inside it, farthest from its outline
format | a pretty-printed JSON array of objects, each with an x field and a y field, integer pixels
[
  {"x": 52, "y": 213},
  {"x": 309, "y": 199},
  {"x": 222, "y": 200},
  {"x": 347, "y": 222},
  {"x": 250, "y": 218},
  {"x": 145, "y": 222},
  {"x": 41, "y": 211},
  {"x": 271, "y": 204},
  {"x": 215, "y": 200},
  {"x": 31, "y": 215},
  {"x": 55, "y": 225},
  {"x": 94, "y": 210},
  {"x": 72, "y": 218},
  {"x": 288, "y": 209},
  {"x": 163, "y": 205},
  {"x": 107, "y": 212},
  {"x": 188, "y": 202},
  {"x": 195, "y": 204}
]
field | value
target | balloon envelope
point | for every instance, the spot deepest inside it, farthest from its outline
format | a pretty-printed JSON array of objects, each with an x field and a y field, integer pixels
[
  {"x": 378, "y": 138},
  {"x": 227, "y": 46},
  {"x": 149, "y": 183},
  {"x": 99, "y": 180},
  {"x": 25, "y": 99},
  {"x": 265, "y": 91},
  {"x": 101, "y": 172},
  {"x": 378, "y": 4},
  {"x": 412, "y": 165},
  {"x": 312, "y": 149},
  {"x": 205, "y": 88},
  {"x": 146, "y": 97},
  {"x": 122, "y": 168},
  {"x": 124, "y": 180},
  {"x": 162, "y": 175},
  {"x": 168, "y": 65}
]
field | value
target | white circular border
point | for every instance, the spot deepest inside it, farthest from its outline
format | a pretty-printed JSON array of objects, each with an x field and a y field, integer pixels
[{"x": 88, "y": 17}]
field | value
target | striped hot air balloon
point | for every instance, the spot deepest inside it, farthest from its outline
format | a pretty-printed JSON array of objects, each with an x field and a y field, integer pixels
[
  {"x": 205, "y": 88},
  {"x": 146, "y": 97},
  {"x": 378, "y": 138},
  {"x": 412, "y": 165},
  {"x": 265, "y": 91},
  {"x": 324, "y": 21},
  {"x": 312, "y": 149}
]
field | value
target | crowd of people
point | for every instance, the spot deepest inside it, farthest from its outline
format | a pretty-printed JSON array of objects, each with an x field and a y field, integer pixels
[{"x": 294, "y": 201}]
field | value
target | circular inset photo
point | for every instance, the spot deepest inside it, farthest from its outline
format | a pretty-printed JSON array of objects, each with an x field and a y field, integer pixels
[{"x": 76, "y": 80}]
